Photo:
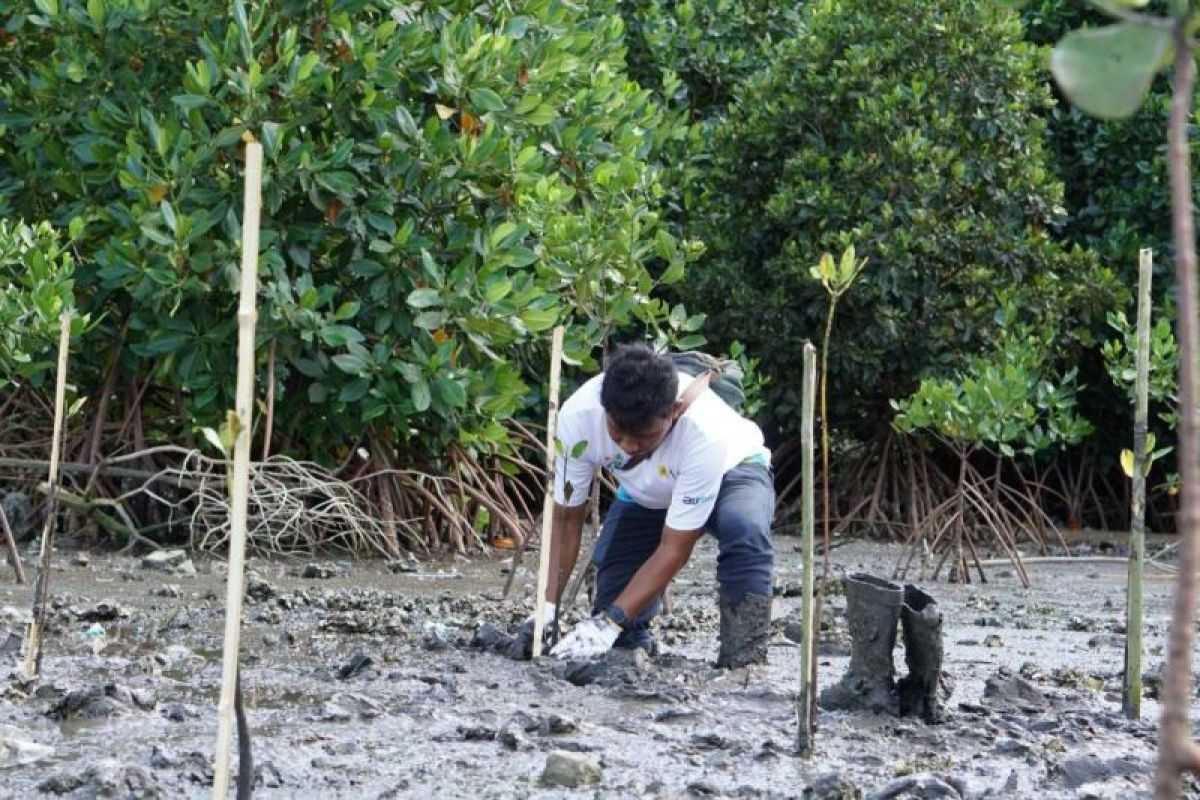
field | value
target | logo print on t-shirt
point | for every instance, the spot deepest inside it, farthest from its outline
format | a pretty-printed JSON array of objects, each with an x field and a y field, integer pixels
[{"x": 663, "y": 472}]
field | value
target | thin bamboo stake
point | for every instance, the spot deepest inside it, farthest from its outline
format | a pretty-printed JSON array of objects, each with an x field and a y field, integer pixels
[
  {"x": 41, "y": 589},
  {"x": 240, "y": 485},
  {"x": 805, "y": 718},
  {"x": 1137, "y": 522},
  {"x": 556, "y": 346},
  {"x": 10, "y": 542}
]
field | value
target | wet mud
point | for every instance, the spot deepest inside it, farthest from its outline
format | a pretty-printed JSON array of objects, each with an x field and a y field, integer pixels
[{"x": 365, "y": 680}]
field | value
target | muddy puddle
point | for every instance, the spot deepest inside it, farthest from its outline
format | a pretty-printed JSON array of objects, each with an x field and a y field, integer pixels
[{"x": 360, "y": 683}]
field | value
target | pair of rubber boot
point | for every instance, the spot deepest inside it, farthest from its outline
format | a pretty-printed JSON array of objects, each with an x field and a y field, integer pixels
[{"x": 874, "y": 606}]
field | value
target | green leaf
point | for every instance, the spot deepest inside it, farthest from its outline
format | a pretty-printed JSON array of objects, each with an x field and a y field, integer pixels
[
  {"x": 430, "y": 320},
  {"x": 307, "y": 64},
  {"x": 1127, "y": 462},
  {"x": 338, "y": 181},
  {"x": 539, "y": 319},
  {"x": 486, "y": 100},
  {"x": 420, "y": 395},
  {"x": 189, "y": 101},
  {"x": 1107, "y": 71},
  {"x": 351, "y": 363},
  {"x": 424, "y": 298},
  {"x": 346, "y": 310},
  {"x": 451, "y": 393}
]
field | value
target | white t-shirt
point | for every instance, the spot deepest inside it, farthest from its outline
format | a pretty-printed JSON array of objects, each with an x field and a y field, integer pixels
[{"x": 684, "y": 472}]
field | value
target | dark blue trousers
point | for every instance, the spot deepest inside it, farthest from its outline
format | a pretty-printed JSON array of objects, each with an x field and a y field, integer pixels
[{"x": 741, "y": 521}]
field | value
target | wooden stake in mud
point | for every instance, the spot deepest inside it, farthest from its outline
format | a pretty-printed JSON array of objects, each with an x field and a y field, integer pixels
[
  {"x": 805, "y": 718},
  {"x": 41, "y": 589},
  {"x": 10, "y": 543},
  {"x": 1137, "y": 523},
  {"x": 239, "y": 489},
  {"x": 556, "y": 346}
]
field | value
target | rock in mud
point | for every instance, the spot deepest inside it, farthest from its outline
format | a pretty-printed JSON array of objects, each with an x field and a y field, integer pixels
[
  {"x": 16, "y": 749},
  {"x": 494, "y": 640},
  {"x": 358, "y": 663},
  {"x": 319, "y": 572},
  {"x": 835, "y": 786},
  {"x": 1008, "y": 690},
  {"x": 258, "y": 589},
  {"x": 569, "y": 770},
  {"x": 917, "y": 787},
  {"x": 107, "y": 778},
  {"x": 1082, "y": 770},
  {"x": 104, "y": 611},
  {"x": 166, "y": 590},
  {"x": 175, "y": 562},
  {"x": 97, "y": 702},
  {"x": 436, "y": 636}
]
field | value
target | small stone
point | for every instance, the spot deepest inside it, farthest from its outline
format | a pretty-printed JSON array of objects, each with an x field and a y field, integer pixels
[
  {"x": 171, "y": 561},
  {"x": 917, "y": 787},
  {"x": 704, "y": 789},
  {"x": 166, "y": 590},
  {"x": 258, "y": 588},
  {"x": 358, "y": 663},
  {"x": 103, "y": 611},
  {"x": 81, "y": 560},
  {"x": 318, "y": 571},
  {"x": 993, "y": 640},
  {"x": 569, "y": 770}
]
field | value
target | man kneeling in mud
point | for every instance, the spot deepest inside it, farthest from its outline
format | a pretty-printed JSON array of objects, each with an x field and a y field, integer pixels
[{"x": 686, "y": 463}]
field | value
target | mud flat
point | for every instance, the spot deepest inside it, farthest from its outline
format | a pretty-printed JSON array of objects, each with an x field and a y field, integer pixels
[{"x": 361, "y": 683}]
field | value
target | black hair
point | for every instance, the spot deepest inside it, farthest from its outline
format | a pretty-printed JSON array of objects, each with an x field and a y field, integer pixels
[{"x": 639, "y": 387}]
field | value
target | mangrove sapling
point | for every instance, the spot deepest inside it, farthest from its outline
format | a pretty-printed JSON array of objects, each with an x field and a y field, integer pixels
[
  {"x": 1107, "y": 71},
  {"x": 837, "y": 278},
  {"x": 41, "y": 589}
]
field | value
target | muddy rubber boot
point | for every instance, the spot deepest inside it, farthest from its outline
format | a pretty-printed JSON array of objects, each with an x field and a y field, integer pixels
[
  {"x": 873, "y": 608},
  {"x": 921, "y": 621},
  {"x": 745, "y": 630}
]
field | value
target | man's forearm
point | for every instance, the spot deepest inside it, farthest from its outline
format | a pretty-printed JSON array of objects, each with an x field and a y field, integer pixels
[
  {"x": 565, "y": 535},
  {"x": 652, "y": 577}
]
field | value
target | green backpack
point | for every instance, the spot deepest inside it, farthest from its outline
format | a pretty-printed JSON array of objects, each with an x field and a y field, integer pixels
[{"x": 727, "y": 374}]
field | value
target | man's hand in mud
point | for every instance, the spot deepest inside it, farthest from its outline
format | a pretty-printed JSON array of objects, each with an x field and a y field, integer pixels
[{"x": 590, "y": 638}]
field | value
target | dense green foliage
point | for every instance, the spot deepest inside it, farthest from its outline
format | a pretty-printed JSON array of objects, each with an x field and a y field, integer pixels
[
  {"x": 1114, "y": 171},
  {"x": 710, "y": 46},
  {"x": 939, "y": 177},
  {"x": 36, "y": 285},
  {"x": 1009, "y": 399},
  {"x": 443, "y": 184}
]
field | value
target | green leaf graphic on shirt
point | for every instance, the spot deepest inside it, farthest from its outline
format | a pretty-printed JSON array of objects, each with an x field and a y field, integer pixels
[{"x": 579, "y": 449}]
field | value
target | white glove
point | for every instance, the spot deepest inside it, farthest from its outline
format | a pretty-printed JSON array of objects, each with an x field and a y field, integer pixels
[
  {"x": 590, "y": 638},
  {"x": 548, "y": 612}
]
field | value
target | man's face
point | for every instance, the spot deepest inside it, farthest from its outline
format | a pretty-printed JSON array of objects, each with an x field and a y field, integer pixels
[{"x": 641, "y": 442}]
